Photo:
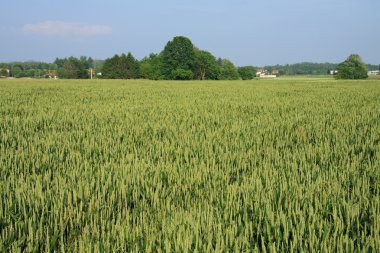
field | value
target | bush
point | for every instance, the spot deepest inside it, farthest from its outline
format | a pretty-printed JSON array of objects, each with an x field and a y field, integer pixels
[
  {"x": 352, "y": 68},
  {"x": 181, "y": 74}
]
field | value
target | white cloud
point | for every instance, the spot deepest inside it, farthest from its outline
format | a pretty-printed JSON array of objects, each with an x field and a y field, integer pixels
[{"x": 65, "y": 28}]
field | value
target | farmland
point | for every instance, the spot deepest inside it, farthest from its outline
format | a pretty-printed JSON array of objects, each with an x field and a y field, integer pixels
[{"x": 201, "y": 166}]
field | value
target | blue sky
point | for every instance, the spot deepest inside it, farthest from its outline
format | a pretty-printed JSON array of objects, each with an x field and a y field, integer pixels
[{"x": 247, "y": 32}]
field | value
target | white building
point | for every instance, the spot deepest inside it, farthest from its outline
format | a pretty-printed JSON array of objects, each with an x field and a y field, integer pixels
[{"x": 374, "y": 72}]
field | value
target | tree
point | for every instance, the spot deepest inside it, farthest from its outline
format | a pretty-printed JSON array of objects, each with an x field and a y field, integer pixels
[
  {"x": 228, "y": 70},
  {"x": 132, "y": 66},
  {"x": 352, "y": 68},
  {"x": 178, "y": 54},
  {"x": 150, "y": 67},
  {"x": 205, "y": 66},
  {"x": 121, "y": 67},
  {"x": 17, "y": 71},
  {"x": 71, "y": 68},
  {"x": 110, "y": 68},
  {"x": 247, "y": 72}
]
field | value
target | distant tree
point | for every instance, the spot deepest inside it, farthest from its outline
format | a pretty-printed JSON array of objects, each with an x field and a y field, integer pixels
[
  {"x": 121, "y": 67},
  {"x": 133, "y": 66},
  {"x": 91, "y": 63},
  {"x": 83, "y": 67},
  {"x": 73, "y": 68},
  {"x": 59, "y": 62},
  {"x": 150, "y": 67},
  {"x": 110, "y": 68},
  {"x": 228, "y": 70},
  {"x": 352, "y": 68},
  {"x": 16, "y": 71},
  {"x": 178, "y": 54},
  {"x": 30, "y": 73},
  {"x": 247, "y": 72},
  {"x": 304, "y": 68},
  {"x": 70, "y": 68},
  {"x": 205, "y": 66}
]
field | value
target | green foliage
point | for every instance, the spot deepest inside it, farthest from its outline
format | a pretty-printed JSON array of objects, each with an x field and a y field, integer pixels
[
  {"x": 304, "y": 68},
  {"x": 17, "y": 72},
  {"x": 228, "y": 70},
  {"x": 179, "y": 60},
  {"x": 150, "y": 67},
  {"x": 205, "y": 66},
  {"x": 110, "y": 68},
  {"x": 247, "y": 72},
  {"x": 181, "y": 74},
  {"x": 309, "y": 68},
  {"x": 352, "y": 68},
  {"x": 28, "y": 69},
  {"x": 73, "y": 68},
  {"x": 121, "y": 67},
  {"x": 178, "y": 54},
  {"x": 143, "y": 166}
]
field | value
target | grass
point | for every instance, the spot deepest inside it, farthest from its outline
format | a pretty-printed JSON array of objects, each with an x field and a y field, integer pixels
[{"x": 154, "y": 166}]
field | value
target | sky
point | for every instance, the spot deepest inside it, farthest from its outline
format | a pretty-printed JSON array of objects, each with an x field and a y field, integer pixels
[{"x": 246, "y": 32}]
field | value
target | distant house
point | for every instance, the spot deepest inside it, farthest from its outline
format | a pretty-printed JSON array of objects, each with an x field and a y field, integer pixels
[
  {"x": 332, "y": 72},
  {"x": 275, "y": 72},
  {"x": 374, "y": 72},
  {"x": 263, "y": 73},
  {"x": 4, "y": 72},
  {"x": 52, "y": 74}
]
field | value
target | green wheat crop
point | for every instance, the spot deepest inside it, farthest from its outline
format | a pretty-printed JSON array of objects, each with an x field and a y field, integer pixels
[{"x": 288, "y": 165}]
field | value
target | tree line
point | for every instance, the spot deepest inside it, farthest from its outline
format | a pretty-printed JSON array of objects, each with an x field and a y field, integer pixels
[
  {"x": 309, "y": 68},
  {"x": 179, "y": 60}
]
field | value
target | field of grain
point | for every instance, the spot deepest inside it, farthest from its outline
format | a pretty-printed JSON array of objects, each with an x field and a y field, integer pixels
[{"x": 288, "y": 165}]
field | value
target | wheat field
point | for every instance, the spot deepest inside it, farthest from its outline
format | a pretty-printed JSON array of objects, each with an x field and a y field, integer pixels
[{"x": 286, "y": 165}]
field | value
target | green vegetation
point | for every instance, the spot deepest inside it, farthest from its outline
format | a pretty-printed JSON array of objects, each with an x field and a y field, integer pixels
[
  {"x": 179, "y": 60},
  {"x": 247, "y": 72},
  {"x": 73, "y": 68},
  {"x": 121, "y": 67},
  {"x": 205, "y": 66},
  {"x": 157, "y": 166},
  {"x": 309, "y": 68},
  {"x": 228, "y": 71},
  {"x": 352, "y": 68}
]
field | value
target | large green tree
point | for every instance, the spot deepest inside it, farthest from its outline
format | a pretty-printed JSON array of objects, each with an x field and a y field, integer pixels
[
  {"x": 150, "y": 67},
  {"x": 178, "y": 59},
  {"x": 16, "y": 71},
  {"x": 228, "y": 70},
  {"x": 352, "y": 68},
  {"x": 72, "y": 67},
  {"x": 121, "y": 67},
  {"x": 205, "y": 66},
  {"x": 133, "y": 67},
  {"x": 110, "y": 68},
  {"x": 247, "y": 72}
]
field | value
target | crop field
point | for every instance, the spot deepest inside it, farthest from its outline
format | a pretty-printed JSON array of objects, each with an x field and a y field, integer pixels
[{"x": 286, "y": 165}]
